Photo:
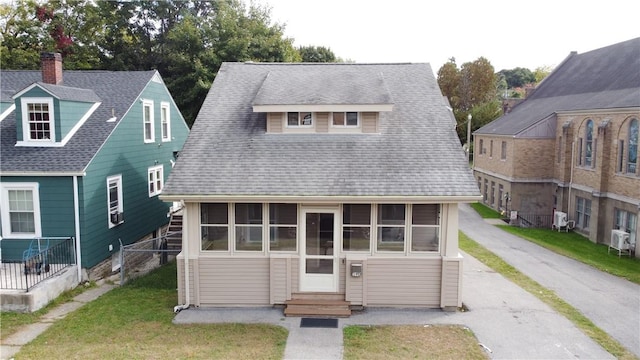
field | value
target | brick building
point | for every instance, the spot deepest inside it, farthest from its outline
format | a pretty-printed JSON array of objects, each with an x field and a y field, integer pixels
[{"x": 571, "y": 146}]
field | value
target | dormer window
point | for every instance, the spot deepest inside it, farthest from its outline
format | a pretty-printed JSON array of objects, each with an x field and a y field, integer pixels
[
  {"x": 38, "y": 119},
  {"x": 345, "y": 119},
  {"x": 295, "y": 119}
]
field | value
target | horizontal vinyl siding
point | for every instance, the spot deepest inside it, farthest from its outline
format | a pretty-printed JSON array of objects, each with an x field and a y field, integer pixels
[
  {"x": 280, "y": 280},
  {"x": 403, "y": 281},
  {"x": 233, "y": 281},
  {"x": 181, "y": 282},
  {"x": 369, "y": 122},
  {"x": 451, "y": 279},
  {"x": 322, "y": 122},
  {"x": 354, "y": 288},
  {"x": 274, "y": 122}
]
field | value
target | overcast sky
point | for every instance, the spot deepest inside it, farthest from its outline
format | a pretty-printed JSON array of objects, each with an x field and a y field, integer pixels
[{"x": 509, "y": 34}]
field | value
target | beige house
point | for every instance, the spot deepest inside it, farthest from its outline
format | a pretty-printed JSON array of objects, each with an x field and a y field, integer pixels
[
  {"x": 571, "y": 146},
  {"x": 307, "y": 180}
]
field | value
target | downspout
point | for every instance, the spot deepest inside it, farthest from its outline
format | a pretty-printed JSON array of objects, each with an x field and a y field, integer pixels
[
  {"x": 76, "y": 210},
  {"x": 185, "y": 251},
  {"x": 573, "y": 143}
]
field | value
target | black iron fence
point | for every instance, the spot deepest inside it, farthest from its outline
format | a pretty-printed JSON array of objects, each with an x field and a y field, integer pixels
[
  {"x": 534, "y": 221},
  {"x": 44, "y": 258}
]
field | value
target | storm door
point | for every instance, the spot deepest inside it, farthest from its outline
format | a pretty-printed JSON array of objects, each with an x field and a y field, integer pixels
[{"x": 319, "y": 258}]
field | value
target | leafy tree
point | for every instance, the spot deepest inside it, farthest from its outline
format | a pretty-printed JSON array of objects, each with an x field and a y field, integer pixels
[
  {"x": 186, "y": 41},
  {"x": 541, "y": 72},
  {"x": 470, "y": 90},
  {"x": 317, "y": 54},
  {"x": 517, "y": 77}
]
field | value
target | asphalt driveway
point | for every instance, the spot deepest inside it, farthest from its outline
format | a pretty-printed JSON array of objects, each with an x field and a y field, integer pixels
[{"x": 612, "y": 303}]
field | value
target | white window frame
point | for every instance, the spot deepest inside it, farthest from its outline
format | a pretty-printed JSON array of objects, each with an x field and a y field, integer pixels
[
  {"x": 5, "y": 211},
  {"x": 152, "y": 133},
  {"x": 300, "y": 125},
  {"x": 436, "y": 226},
  {"x": 345, "y": 126},
  {"x": 237, "y": 229},
  {"x": 119, "y": 208},
  {"x": 155, "y": 180},
  {"x": 26, "y": 133},
  {"x": 165, "y": 121},
  {"x": 379, "y": 227}
]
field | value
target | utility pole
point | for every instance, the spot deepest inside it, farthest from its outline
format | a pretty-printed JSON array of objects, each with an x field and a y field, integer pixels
[{"x": 468, "y": 136}]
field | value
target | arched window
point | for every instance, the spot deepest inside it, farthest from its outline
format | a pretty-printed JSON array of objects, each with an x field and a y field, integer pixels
[
  {"x": 588, "y": 148},
  {"x": 632, "y": 149}
]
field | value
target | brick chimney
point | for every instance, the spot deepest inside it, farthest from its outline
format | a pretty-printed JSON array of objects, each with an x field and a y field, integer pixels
[{"x": 51, "y": 68}]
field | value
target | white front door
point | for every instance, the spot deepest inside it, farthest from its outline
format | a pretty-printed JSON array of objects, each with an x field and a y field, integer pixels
[{"x": 319, "y": 255}]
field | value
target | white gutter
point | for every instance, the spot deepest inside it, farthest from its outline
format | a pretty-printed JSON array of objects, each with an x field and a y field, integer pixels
[
  {"x": 317, "y": 199},
  {"x": 76, "y": 210}
]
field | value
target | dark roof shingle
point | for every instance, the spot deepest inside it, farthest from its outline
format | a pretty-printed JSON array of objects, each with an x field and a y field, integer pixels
[{"x": 416, "y": 153}]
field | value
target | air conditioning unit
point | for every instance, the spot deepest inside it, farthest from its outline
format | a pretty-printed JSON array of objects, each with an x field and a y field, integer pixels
[
  {"x": 559, "y": 219},
  {"x": 117, "y": 217},
  {"x": 620, "y": 241}
]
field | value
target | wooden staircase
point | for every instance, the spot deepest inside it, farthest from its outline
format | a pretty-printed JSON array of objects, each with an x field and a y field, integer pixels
[
  {"x": 317, "y": 305},
  {"x": 174, "y": 232}
]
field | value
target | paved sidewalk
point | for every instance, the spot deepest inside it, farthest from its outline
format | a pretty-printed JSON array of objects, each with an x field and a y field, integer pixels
[
  {"x": 612, "y": 303},
  {"x": 508, "y": 321},
  {"x": 11, "y": 345}
]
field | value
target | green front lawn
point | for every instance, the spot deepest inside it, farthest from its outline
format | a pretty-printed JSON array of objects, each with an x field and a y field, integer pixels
[{"x": 485, "y": 211}]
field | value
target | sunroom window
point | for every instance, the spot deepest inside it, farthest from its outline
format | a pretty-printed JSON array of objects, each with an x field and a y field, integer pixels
[
  {"x": 283, "y": 227},
  {"x": 391, "y": 225},
  {"x": 425, "y": 227},
  {"x": 356, "y": 227},
  {"x": 214, "y": 226},
  {"x": 248, "y": 223}
]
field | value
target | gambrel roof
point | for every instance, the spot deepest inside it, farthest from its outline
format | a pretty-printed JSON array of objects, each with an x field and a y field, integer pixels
[
  {"x": 416, "y": 152},
  {"x": 116, "y": 91},
  {"x": 605, "y": 78}
]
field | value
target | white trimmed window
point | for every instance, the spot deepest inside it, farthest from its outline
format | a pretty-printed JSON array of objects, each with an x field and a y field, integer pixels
[
  {"x": 299, "y": 119},
  {"x": 114, "y": 200},
  {"x": 391, "y": 226},
  {"x": 148, "y": 121},
  {"x": 155, "y": 178},
  {"x": 248, "y": 227},
  {"x": 37, "y": 119},
  {"x": 20, "y": 210},
  {"x": 165, "y": 121},
  {"x": 356, "y": 227},
  {"x": 283, "y": 227},
  {"x": 632, "y": 150},
  {"x": 425, "y": 228},
  {"x": 214, "y": 226},
  {"x": 345, "y": 119}
]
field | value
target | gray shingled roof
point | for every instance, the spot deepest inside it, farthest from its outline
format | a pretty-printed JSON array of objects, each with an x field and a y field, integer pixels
[
  {"x": 605, "y": 78},
  {"x": 116, "y": 89},
  {"x": 70, "y": 93},
  {"x": 416, "y": 153},
  {"x": 346, "y": 85}
]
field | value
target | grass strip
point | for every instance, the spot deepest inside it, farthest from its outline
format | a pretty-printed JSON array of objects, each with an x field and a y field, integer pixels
[
  {"x": 545, "y": 295},
  {"x": 486, "y": 212}
]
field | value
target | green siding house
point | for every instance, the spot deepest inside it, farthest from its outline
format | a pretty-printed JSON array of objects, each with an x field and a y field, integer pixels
[{"x": 84, "y": 154}]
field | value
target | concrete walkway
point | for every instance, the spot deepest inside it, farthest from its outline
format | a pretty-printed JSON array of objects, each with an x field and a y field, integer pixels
[
  {"x": 612, "y": 303},
  {"x": 509, "y": 322},
  {"x": 11, "y": 345}
]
